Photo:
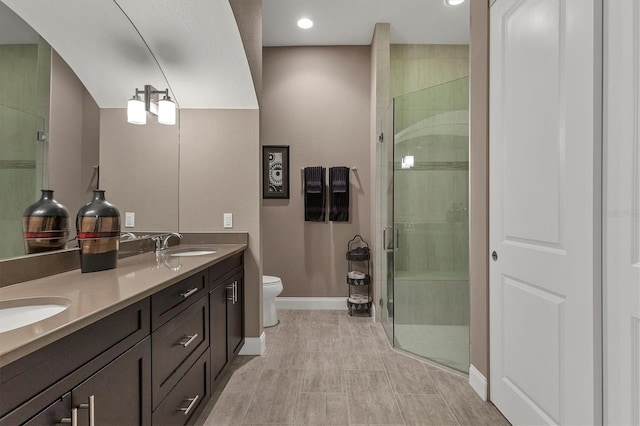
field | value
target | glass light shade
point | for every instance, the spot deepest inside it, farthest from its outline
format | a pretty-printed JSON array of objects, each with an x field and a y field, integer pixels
[
  {"x": 166, "y": 112},
  {"x": 136, "y": 113}
]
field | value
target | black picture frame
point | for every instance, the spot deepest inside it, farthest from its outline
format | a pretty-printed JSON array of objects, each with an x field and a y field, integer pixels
[{"x": 275, "y": 171}]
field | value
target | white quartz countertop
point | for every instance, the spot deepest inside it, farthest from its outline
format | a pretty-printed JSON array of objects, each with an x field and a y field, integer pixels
[{"x": 93, "y": 296}]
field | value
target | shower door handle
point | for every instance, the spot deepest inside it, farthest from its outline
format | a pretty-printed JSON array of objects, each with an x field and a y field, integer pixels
[
  {"x": 388, "y": 246},
  {"x": 396, "y": 238}
]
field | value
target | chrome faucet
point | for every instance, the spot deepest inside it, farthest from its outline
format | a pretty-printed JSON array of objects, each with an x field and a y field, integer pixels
[
  {"x": 128, "y": 235},
  {"x": 162, "y": 241}
]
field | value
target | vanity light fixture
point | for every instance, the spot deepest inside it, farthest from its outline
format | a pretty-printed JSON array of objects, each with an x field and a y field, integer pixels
[
  {"x": 453, "y": 2},
  {"x": 305, "y": 23},
  {"x": 147, "y": 100}
]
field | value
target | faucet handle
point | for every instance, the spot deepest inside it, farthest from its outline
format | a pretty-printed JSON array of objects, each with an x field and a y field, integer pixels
[{"x": 165, "y": 240}]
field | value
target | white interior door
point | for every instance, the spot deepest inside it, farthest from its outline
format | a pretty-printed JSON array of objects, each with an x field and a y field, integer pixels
[
  {"x": 545, "y": 211},
  {"x": 622, "y": 213}
]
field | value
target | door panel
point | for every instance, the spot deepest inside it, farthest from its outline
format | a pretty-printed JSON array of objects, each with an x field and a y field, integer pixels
[
  {"x": 544, "y": 211},
  {"x": 622, "y": 213}
]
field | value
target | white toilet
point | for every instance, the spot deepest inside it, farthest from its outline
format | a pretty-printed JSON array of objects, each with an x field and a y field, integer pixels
[{"x": 271, "y": 287}]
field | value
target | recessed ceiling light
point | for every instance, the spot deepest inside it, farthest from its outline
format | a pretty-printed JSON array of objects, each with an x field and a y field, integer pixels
[
  {"x": 453, "y": 2},
  {"x": 305, "y": 23}
]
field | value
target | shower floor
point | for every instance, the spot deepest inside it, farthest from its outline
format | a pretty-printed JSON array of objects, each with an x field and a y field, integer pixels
[{"x": 444, "y": 344}]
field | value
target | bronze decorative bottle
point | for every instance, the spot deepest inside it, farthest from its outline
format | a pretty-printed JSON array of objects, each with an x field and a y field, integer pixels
[
  {"x": 45, "y": 225},
  {"x": 98, "y": 227}
]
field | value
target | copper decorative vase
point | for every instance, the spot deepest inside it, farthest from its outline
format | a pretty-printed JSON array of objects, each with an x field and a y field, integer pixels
[
  {"x": 45, "y": 225},
  {"x": 98, "y": 226}
]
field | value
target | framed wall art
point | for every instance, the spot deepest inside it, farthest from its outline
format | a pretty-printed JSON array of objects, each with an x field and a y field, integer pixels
[{"x": 275, "y": 171}]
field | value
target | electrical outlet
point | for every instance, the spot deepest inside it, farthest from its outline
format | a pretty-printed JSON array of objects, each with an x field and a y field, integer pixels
[
  {"x": 129, "y": 220},
  {"x": 228, "y": 220}
]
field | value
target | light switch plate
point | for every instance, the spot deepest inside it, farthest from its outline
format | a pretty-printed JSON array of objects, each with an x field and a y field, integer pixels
[
  {"x": 129, "y": 220},
  {"x": 228, "y": 220}
]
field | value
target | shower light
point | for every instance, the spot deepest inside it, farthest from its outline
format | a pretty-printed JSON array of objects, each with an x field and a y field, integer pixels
[
  {"x": 137, "y": 108},
  {"x": 453, "y": 2}
]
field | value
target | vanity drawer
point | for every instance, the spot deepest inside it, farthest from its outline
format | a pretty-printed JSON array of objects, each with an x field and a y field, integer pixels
[
  {"x": 167, "y": 303},
  {"x": 188, "y": 397},
  {"x": 218, "y": 270},
  {"x": 176, "y": 345}
]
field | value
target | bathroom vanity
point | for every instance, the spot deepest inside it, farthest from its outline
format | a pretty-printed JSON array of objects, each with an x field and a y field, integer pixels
[{"x": 144, "y": 343}]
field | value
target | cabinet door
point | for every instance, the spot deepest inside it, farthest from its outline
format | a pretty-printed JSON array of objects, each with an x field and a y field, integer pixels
[
  {"x": 53, "y": 414},
  {"x": 120, "y": 393},
  {"x": 218, "y": 327},
  {"x": 235, "y": 316}
]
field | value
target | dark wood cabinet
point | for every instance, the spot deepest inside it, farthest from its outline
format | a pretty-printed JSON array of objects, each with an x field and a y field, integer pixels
[
  {"x": 187, "y": 399},
  {"x": 235, "y": 315},
  {"x": 120, "y": 393},
  {"x": 218, "y": 321},
  {"x": 226, "y": 301},
  {"x": 117, "y": 394},
  {"x": 153, "y": 362},
  {"x": 177, "y": 344}
]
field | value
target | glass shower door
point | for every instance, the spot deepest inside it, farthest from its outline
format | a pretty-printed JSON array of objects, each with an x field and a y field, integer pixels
[
  {"x": 384, "y": 177},
  {"x": 430, "y": 219}
]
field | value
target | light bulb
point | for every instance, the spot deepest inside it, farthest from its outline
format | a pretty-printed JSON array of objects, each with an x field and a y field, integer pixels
[
  {"x": 453, "y": 2},
  {"x": 136, "y": 113},
  {"x": 166, "y": 111},
  {"x": 305, "y": 23}
]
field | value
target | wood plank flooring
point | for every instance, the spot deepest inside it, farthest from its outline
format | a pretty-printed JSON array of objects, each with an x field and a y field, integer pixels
[{"x": 326, "y": 368}]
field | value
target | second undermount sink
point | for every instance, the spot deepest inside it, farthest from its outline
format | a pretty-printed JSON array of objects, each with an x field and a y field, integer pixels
[
  {"x": 22, "y": 312},
  {"x": 192, "y": 252}
]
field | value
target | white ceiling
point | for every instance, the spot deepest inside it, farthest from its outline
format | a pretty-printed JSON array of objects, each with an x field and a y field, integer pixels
[
  {"x": 196, "y": 43},
  {"x": 343, "y": 22}
]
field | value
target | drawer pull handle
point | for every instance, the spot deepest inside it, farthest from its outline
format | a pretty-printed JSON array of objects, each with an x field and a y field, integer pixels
[
  {"x": 189, "y": 292},
  {"x": 192, "y": 403},
  {"x": 92, "y": 407},
  {"x": 188, "y": 340},
  {"x": 73, "y": 420}
]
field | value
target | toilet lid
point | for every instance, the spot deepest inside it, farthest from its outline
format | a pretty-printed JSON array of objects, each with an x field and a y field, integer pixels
[{"x": 269, "y": 280}]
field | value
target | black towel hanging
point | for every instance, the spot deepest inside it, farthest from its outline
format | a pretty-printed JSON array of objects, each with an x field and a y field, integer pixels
[
  {"x": 339, "y": 194},
  {"x": 314, "y": 194}
]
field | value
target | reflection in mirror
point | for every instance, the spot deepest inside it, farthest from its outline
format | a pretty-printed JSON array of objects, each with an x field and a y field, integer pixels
[
  {"x": 25, "y": 63},
  {"x": 86, "y": 127}
]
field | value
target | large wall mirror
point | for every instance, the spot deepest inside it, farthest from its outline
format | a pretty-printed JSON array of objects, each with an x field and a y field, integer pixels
[{"x": 54, "y": 131}]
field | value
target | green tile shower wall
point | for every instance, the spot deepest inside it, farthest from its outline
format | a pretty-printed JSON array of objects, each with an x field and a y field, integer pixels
[
  {"x": 431, "y": 91},
  {"x": 24, "y": 106}
]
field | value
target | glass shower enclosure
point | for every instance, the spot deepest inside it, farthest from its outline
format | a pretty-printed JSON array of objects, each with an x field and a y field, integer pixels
[{"x": 426, "y": 231}]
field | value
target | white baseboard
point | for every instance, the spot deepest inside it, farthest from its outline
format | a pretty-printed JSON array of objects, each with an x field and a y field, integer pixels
[
  {"x": 337, "y": 303},
  {"x": 254, "y": 345},
  {"x": 478, "y": 382}
]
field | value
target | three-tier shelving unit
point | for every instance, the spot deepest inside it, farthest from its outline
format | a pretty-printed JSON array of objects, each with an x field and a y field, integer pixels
[{"x": 359, "y": 276}]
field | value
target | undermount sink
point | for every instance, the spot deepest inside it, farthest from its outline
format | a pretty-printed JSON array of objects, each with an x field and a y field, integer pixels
[
  {"x": 22, "y": 312},
  {"x": 191, "y": 252}
]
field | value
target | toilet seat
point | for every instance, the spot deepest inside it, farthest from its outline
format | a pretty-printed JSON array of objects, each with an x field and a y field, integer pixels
[{"x": 268, "y": 280}]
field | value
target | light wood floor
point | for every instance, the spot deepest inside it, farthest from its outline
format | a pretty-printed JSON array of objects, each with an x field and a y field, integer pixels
[{"x": 326, "y": 368}]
